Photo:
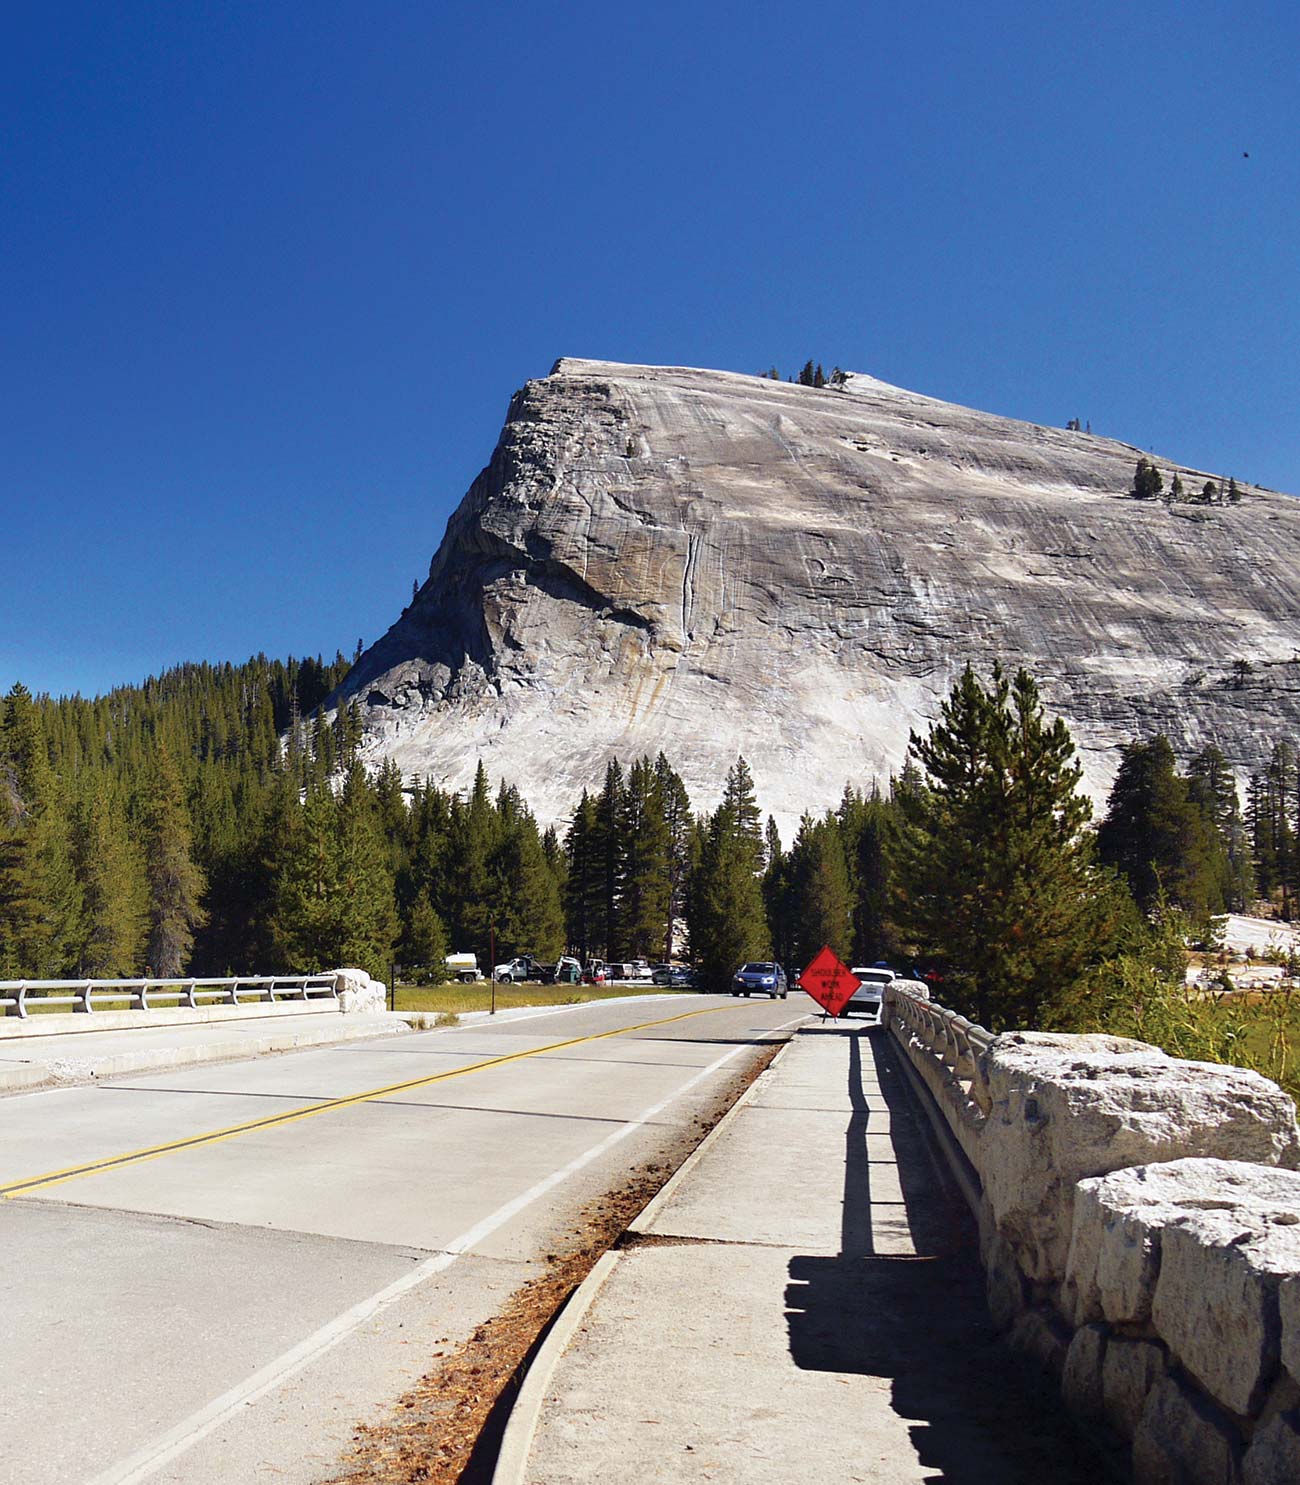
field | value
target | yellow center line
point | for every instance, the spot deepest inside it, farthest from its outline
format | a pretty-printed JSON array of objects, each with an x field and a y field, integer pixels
[{"x": 328, "y": 1106}]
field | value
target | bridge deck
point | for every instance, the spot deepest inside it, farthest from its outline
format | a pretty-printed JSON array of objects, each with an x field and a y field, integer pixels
[
  {"x": 213, "y": 1274},
  {"x": 803, "y": 1303}
]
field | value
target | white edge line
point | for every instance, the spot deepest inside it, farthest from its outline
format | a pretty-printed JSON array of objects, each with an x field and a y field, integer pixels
[{"x": 176, "y": 1441}]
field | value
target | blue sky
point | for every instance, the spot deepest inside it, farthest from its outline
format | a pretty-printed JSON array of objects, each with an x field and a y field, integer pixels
[{"x": 271, "y": 272}]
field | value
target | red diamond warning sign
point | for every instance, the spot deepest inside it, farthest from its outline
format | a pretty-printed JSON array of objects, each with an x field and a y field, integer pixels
[{"x": 829, "y": 981}]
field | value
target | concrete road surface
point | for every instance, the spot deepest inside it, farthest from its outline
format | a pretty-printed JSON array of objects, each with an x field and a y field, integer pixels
[{"x": 213, "y": 1274}]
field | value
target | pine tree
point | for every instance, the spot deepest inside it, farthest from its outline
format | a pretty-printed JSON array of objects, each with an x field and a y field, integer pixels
[
  {"x": 306, "y": 889},
  {"x": 646, "y": 886},
  {"x": 820, "y": 900},
  {"x": 111, "y": 871},
  {"x": 1156, "y": 836},
  {"x": 1147, "y": 481},
  {"x": 424, "y": 943},
  {"x": 776, "y": 895},
  {"x": 1213, "y": 789},
  {"x": 366, "y": 915},
  {"x": 993, "y": 867},
  {"x": 40, "y": 896},
  {"x": 470, "y": 904},
  {"x": 530, "y": 913},
  {"x": 607, "y": 845},
  {"x": 582, "y": 888},
  {"x": 728, "y": 922},
  {"x": 675, "y": 804},
  {"x": 864, "y": 823},
  {"x": 176, "y": 883},
  {"x": 1259, "y": 827},
  {"x": 1282, "y": 789}
]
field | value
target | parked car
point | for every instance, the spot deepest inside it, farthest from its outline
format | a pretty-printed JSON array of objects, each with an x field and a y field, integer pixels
[
  {"x": 596, "y": 973},
  {"x": 760, "y": 978},
  {"x": 678, "y": 976},
  {"x": 628, "y": 971},
  {"x": 869, "y": 995}
]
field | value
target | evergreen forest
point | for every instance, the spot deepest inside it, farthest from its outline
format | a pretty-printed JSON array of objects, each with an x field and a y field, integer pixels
[{"x": 217, "y": 820}]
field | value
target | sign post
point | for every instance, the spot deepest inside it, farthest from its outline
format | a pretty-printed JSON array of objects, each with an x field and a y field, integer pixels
[{"x": 829, "y": 981}]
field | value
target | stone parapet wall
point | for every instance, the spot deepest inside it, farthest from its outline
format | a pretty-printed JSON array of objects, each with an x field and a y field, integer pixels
[{"x": 1140, "y": 1232}]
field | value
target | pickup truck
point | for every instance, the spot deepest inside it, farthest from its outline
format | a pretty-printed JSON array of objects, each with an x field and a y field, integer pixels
[{"x": 525, "y": 967}]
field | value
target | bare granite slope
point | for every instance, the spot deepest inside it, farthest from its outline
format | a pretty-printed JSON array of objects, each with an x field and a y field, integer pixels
[{"x": 707, "y": 563}]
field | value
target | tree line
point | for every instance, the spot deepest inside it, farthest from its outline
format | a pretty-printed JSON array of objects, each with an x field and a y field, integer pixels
[
  {"x": 810, "y": 375},
  {"x": 217, "y": 820},
  {"x": 1149, "y": 484}
]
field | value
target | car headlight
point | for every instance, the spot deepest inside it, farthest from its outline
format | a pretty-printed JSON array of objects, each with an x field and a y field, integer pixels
[{"x": 768, "y": 980}]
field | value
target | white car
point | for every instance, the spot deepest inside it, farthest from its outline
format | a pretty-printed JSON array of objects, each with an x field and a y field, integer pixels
[{"x": 868, "y": 996}]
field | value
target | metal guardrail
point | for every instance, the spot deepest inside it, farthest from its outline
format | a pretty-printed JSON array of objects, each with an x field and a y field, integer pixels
[
  {"x": 146, "y": 994},
  {"x": 953, "y": 1043}
]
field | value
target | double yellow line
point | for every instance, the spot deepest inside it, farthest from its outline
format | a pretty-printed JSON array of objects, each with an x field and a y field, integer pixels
[{"x": 309, "y": 1111}]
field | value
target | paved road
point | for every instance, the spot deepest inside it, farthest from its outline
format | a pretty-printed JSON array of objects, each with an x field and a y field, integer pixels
[{"x": 214, "y": 1274}]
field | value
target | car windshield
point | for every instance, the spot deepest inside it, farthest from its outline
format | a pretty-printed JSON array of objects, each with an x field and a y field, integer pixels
[{"x": 757, "y": 969}]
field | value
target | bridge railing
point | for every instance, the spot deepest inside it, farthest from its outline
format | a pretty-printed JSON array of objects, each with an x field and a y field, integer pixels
[
  {"x": 952, "y": 1044},
  {"x": 150, "y": 994},
  {"x": 1136, "y": 1217}
]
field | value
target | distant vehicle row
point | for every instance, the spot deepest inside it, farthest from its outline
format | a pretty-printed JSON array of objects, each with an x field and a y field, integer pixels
[{"x": 755, "y": 977}]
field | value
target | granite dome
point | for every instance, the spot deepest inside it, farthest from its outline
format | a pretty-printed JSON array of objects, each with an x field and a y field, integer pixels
[{"x": 705, "y": 562}]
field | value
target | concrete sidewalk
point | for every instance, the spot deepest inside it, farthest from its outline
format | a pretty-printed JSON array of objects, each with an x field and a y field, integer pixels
[
  {"x": 82, "y": 1055},
  {"x": 803, "y": 1302}
]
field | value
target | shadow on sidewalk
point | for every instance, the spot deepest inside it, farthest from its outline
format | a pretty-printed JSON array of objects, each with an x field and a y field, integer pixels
[{"x": 918, "y": 1319}]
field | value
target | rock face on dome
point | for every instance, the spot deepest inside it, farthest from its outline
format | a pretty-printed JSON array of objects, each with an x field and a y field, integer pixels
[{"x": 708, "y": 563}]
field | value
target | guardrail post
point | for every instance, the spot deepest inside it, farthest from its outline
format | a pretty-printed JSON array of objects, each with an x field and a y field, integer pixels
[
  {"x": 19, "y": 1007},
  {"x": 140, "y": 996},
  {"x": 83, "y": 998},
  {"x": 187, "y": 997},
  {"x": 268, "y": 994}
]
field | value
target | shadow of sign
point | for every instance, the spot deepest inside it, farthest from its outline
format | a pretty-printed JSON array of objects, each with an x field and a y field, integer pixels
[{"x": 917, "y": 1318}]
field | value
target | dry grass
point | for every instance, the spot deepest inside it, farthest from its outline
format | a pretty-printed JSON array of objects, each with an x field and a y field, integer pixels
[{"x": 458, "y": 999}]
